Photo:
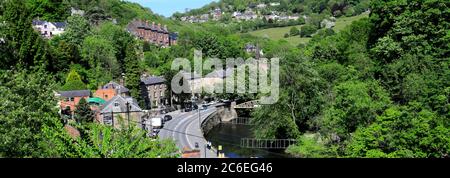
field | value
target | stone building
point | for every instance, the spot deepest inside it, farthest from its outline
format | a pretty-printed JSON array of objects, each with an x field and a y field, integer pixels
[
  {"x": 153, "y": 91},
  {"x": 152, "y": 33}
]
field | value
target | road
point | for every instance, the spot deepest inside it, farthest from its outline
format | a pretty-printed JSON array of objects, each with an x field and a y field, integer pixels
[{"x": 184, "y": 128}]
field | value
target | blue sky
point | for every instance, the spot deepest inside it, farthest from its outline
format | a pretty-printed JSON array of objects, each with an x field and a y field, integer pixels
[{"x": 168, "y": 7}]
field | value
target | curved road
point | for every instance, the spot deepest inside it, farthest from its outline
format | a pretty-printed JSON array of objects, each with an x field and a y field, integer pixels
[{"x": 184, "y": 128}]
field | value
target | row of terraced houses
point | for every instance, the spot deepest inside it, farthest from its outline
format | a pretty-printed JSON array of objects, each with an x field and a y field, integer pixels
[{"x": 152, "y": 33}]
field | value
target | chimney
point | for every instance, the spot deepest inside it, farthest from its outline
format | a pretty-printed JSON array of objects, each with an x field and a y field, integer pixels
[
  {"x": 165, "y": 27},
  {"x": 159, "y": 26},
  {"x": 146, "y": 23},
  {"x": 153, "y": 24}
]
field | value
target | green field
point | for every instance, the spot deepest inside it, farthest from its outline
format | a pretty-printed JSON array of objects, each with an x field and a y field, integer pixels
[{"x": 278, "y": 33}]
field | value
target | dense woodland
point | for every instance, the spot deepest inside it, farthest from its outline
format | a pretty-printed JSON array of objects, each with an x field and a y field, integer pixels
[{"x": 378, "y": 88}]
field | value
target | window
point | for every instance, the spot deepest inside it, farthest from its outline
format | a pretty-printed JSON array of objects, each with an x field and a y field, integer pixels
[
  {"x": 116, "y": 104},
  {"x": 106, "y": 96},
  {"x": 162, "y": 93},
  {"x": 45, "y": 26},
  {"x": 72, "y": 99},
  {"x": 155, "y": 95}
]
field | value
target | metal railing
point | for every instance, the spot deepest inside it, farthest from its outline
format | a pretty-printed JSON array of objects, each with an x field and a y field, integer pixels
[{"x": 267, "y": 143}]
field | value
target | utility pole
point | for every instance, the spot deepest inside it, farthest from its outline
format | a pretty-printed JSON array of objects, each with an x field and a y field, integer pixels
[{"x": 128, "y": 114}]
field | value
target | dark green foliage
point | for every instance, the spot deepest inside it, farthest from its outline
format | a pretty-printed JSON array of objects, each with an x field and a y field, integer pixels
[
  {"x": 83, "y": 112},
  {"x": 133, "y": 73},
  {"x": 423, "y": 134},
  {"x": 50, "y": 10},
  {"x": 307, "y": 30},
  {"x": 27, "y": 105},
  {"x": 294, "y": 31},
  {"x": 23, "y": 46},
  {"x": 73, "y": 82}
]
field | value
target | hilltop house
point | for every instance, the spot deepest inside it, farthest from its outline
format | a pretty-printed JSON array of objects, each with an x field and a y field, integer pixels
[
  {"x": 153, "y": 90},
  {"x": 49, "y": 29},
  {"x": 119, "y": 110},
  {"x": 152, "y": 33}
]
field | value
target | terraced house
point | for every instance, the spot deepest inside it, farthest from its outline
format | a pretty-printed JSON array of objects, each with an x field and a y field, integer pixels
[{"x": 152, "y": 33}]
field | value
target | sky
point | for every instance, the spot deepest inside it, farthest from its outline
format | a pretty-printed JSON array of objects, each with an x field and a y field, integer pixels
[{"x": 168, "y": 7}]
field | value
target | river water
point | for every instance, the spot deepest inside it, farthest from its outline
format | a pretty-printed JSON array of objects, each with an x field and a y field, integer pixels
[{"x": 229, "y": 136}]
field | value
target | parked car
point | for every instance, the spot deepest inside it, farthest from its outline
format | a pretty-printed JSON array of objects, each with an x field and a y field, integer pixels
[{"x": 167, "y": 118}]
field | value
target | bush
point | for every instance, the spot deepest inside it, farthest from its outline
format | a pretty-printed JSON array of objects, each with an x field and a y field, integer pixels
[
  {"x": 294, "y": 31},
  {"x": 307, "y": 30},
  {"x": 286, "y": 35}
]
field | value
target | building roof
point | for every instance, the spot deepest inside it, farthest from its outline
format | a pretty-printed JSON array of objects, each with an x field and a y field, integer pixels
[
  {"x": 59, "y": 24},
  {"x": 38, "y": 22},
  {"x": 152, "y": 80},
  {"x": 96, "y": 100},
  {"x": 114, "y": 85},
  {"x": 75, "y": 93},
  {"x": 109, "y": 106}
]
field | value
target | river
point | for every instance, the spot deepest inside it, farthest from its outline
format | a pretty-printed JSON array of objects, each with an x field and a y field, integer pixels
[{"x": 229, "y": 136}]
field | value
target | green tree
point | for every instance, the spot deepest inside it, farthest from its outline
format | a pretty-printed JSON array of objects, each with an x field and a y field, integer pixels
[
  {"x": 83, "y": 112},
  {"x": 73, "y": 82},
  {"x": 99, "y": 52},
  {"x": 77, "y": 30},
  {"x": 133, "y": 73},
  {"x": 28, "y": 98},
  {"x": 422, "y": 134},
  {"x": 294, "y": 31},
  {"x": 356, "y": 105},
  {"x": 307, "y": 30},
  {"x": 23, "y": 46},
  {"x": 106, "y": 142}
]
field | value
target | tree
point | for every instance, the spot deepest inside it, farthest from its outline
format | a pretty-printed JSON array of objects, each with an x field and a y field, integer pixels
[
  {"x": 307, "y": 30},
  {"x": 78, "y": 28},
  {"x": 99, "y": 52},
  {"x": 356, "y": 105},
  {"x": 28, "y": 98},
  {"x": 50, "y": 10},
  {"x": 83, "y": 112},
  {"x": 422, "y": 134},
  {"x": 23, "y": 46},
  {"x": 73, "y": 82},
  {"x": 294, "y": 31},
  {"x": 106, "y": 142},
  {"x": 133, "y": 73}
]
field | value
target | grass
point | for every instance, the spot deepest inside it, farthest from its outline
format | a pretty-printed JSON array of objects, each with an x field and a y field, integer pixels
[
  {"x": 342, "y": 22},
  {"x": 278, "y": 33}
]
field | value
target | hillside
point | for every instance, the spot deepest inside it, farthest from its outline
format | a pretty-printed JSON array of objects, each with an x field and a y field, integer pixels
[{"x": 279, "y": 32}]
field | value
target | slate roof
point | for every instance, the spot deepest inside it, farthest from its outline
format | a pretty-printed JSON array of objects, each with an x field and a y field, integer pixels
[
  {"x": 75, "y": 93},
  {"x": 109, "y": 106},
  {"x": 59, "y": 24},
  {"x": 114, "y": 85},
  {"x": 38, "y": 22},
  {"x": 153, "y": 80}
]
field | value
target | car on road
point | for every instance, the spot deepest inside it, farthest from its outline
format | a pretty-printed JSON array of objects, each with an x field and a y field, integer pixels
[
  {"x": 167, "y": 118},
  {"x": 196, "y": 145}
]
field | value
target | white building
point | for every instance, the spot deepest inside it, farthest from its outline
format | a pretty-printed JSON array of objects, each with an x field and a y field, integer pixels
[
  {"x": 274, "y": 4},
  {"x": 49, "y": 29}
]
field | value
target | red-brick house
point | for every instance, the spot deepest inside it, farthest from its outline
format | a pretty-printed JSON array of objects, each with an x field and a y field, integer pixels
[
  {"x": 110, "y": 90},
  {"x": 152, "y": 33},
  {"x": 69, "y": 100}
]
